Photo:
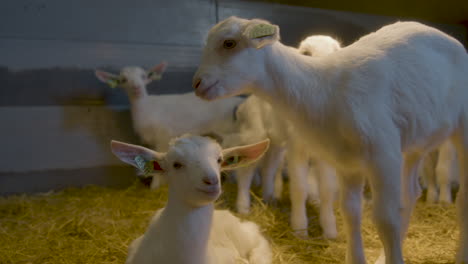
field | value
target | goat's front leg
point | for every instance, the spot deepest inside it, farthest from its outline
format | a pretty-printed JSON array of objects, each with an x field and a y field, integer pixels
[
  {"x": 351, "y": 187},
  {"x": 244, "y": 180},
  {"x": 298, "y": 168},
  {"x": 279, "y": 179},
  {"x": 327, "y": 183},
  {"x": 272, "y": 162},
  {"x": 313, "y": 180},
  {"x": 445, "y": 170}
]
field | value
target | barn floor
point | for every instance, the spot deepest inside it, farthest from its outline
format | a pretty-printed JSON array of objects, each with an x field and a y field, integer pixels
[{"x": 95, "y": 225}]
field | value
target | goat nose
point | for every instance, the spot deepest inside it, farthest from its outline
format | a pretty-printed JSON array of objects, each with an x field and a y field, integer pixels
[
  {"x": 210, "y": 180},
  {"x": 197, "y": 83}
]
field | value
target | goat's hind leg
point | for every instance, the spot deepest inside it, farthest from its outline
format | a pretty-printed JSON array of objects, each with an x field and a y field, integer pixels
[
  {"x": 385, "y": 181},
  {"x": 327, "y": 189},
  {"x": 410, "y": 192},
  {"x": 429, "y": 175}
]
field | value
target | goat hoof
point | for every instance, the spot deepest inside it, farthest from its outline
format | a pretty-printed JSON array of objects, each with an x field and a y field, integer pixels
[
  {"x": 380, "y": 259},
  {"x": 330, "y": 234},
  {"x": 301, "y": 234},
  {"x": 243, "y": 210}
]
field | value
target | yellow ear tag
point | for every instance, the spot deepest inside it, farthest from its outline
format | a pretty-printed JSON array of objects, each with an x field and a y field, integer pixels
[
  {"x": 145, "y": 166},
  {"x": 262, "y": 30},
  {"x": 154, "y": 76},
  {"x": 113, "y": 83}
]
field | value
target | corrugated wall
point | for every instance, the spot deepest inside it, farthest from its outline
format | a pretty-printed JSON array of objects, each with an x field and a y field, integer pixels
[{"x": 57, "y": 119}]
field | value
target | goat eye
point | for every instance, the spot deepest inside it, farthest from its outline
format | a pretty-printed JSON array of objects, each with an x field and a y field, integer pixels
[
  {"x": 220, "y": 160},
  {"x": 229, "y": 44},
  {"x": 177, "y": 165}
]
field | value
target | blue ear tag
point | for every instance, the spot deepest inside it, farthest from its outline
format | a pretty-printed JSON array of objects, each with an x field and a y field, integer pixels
[{"x": 145, "y": 166}]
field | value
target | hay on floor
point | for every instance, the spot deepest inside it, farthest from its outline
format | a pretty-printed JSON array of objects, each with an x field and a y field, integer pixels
[{"x": 96, "y": 224}]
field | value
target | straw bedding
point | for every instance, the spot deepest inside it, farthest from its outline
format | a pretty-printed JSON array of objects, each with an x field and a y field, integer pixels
[{"x": 96, "y": 224}]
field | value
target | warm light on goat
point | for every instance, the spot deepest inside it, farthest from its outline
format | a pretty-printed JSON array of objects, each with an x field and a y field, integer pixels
[
  {"x": 188, "y": 230},
  {"x": 402, "y": 89}
]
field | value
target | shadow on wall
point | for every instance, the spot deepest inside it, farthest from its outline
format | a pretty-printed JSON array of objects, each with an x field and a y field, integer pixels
[
  {"x": 75, "y": 110},
  {"x": 74, "y": 86}
]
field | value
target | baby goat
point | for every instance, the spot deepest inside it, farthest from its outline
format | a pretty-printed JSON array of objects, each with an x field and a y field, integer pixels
[
  {"x": 188, "y": 229},
  {"x": 158, "y": 118},
  {"x": 257, "y": 119}
]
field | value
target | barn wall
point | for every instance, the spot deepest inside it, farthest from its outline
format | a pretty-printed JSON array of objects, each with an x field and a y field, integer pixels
[{"x": 57, "y": 119}]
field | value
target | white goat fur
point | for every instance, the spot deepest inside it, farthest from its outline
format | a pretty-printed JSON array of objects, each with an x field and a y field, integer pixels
[
  {"x": 402, "y": 89},
  {"x": 257, "y": 121},
  {"x": 318, "y": 45},
  {"x": 158, "y": 118},
  {"x": 188, "y": 229}
]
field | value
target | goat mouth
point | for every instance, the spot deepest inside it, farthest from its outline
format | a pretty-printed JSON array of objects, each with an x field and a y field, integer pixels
[
  {"x": 204, "y": 93},
  {"x": 210, "y": 192}
]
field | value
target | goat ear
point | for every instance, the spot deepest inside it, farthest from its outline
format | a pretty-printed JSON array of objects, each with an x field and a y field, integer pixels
[
  {"x": 155, "y": 72},
  {"x": 260, "y": 34},
  {"x": 111, "y": 79},
  {"x": 146, "y": 160},
  {"x": 244, "y": 155}
]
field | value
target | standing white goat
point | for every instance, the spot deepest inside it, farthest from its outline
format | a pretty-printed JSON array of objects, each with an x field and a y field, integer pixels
[
  {"x": 252, "y": 124},
  {"x": 257, "y": 119},
  {"x": 188, "y": 229},
  {"x": 402, "y": 89},
  {"x": 302, "y": 173},
  {"x": 158, "y": 118}
]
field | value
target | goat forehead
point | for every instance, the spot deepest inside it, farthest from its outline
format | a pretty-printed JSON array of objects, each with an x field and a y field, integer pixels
[
  {"x": 227, "y": 28},
  {"x": 194, "y": 148},
  {"x": 132, "y": 71}
]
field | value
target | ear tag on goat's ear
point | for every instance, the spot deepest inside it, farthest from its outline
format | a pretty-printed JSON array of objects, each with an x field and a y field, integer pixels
[
  {"x": 232, "y": 160},
  {"x": 113, "y": 83},
  {"x": 145, "y": 166},
  {"x": 154, "y": 76},
  {"x": 262, "y": 30}
]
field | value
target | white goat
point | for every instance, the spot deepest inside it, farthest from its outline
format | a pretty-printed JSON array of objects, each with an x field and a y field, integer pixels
[
  {"x": 188, "y": 229},
  {"x": 158, "y": 118},
  {"x": 402, "y": 89},
  {"x": 258, "y": 120},
  {"x": 320, "y": 177},
  {"x": 252, "y": 124},
  {"x": 318, "y": 45}
]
